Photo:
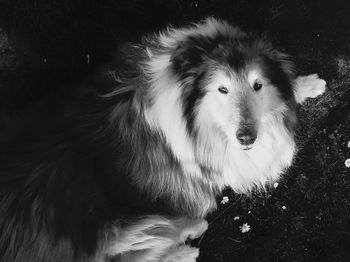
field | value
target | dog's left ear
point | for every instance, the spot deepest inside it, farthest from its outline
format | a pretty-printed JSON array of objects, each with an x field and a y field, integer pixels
[
  {"x": 309, "y": 86},
  {"x": 186, "y": 59}
]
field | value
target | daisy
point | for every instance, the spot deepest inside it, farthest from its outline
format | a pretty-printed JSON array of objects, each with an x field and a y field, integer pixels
[
  {"x": 245, "y": 228},
  {"x": 347, "y": 162},
  {"x": 225, "y": 200}
]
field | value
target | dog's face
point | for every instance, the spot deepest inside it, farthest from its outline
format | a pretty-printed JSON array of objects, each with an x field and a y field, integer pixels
[
  {"x": 235, "y": 104},
  {"x": 233, "y": 88}
]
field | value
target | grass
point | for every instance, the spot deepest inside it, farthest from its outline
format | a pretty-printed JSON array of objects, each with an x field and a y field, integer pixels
[{"x": 307, "y": 216}]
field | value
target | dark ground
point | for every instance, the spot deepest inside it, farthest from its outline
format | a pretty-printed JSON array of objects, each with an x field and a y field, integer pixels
[{"x": 44, "y": 44}]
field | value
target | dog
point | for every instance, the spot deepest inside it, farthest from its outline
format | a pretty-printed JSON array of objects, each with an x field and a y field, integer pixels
[{"x": 127, "y": 167}]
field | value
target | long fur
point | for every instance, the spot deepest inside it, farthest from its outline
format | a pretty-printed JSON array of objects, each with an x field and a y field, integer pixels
[{"x": 130, "y": 165}]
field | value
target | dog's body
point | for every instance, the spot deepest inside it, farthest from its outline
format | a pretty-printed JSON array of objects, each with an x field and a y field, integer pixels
[{"x": 131, "y": 172}]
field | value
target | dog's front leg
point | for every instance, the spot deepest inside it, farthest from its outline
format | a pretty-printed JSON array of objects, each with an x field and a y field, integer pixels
[
  {"x": 309, "y": 86},
  {"x": 153, "y": 239},
  {"x": 188, "y": 229}
]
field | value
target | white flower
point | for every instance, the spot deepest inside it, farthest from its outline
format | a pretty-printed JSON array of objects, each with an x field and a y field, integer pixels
[
  {"x": 225, "y": 200},
  {"x": 347, "y": 162},
  {"x": 284, "y": 207},
  {"x": 245, "y": 228},
  {"x": 275, "y": 185},
  {"x": 236, "y": 218}
]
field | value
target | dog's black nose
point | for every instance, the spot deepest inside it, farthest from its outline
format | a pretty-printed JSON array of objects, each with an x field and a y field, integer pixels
[{"x": 245, "y": 137}]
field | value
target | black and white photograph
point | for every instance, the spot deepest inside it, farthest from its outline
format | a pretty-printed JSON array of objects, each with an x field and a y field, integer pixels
[{"x": 174, "y": 131}]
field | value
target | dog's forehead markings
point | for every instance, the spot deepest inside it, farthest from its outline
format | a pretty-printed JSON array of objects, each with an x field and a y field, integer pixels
[
  {"x": 222, "y": 77},
  {"x": 253, "y": 75}
]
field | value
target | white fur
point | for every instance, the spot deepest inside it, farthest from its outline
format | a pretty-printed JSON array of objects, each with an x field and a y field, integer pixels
[
  {"x": 309, "y": 86},
  {"x": 242, "y": 170},
  {"x": 271, "y": 154},
  {"x": 182, "y": 254},
  {"x": 253, "y": 75},
  {"x": 155, "y": 238},
  {"x": 165, "y": 114}
]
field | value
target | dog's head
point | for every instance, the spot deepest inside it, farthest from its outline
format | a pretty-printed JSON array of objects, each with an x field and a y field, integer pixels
[
  {"x": 223, "y": 101},
  {"x": 231, "y": 82}
]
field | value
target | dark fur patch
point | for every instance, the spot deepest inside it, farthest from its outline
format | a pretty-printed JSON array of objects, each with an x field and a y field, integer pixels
[
  {"x": 274, "y": 72},
  {"x": 185, "y": 59},
  {"x": 192, "y": 97}
]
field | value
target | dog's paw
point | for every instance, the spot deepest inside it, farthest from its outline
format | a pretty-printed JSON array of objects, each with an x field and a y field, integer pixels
[
  {"x": 309, "y": 86},
  {"x": 194, "y": 230},
  {"x": 182, "y": 253}
]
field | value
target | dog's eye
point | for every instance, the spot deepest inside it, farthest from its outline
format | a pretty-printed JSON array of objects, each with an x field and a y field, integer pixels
[
  {"x": 223, "y": 90},
  {"x": 257, "y": 86}
]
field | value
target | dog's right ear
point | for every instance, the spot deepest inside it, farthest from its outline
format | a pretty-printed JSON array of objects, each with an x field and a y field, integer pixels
[{"x": 186, "y": 59}]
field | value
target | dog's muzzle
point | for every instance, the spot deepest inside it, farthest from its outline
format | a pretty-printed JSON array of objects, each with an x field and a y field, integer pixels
[{"x": 246, "y": 138}]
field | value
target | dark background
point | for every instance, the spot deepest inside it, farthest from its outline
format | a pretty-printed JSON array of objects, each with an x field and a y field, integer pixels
[{"x": 45, "y": 44}]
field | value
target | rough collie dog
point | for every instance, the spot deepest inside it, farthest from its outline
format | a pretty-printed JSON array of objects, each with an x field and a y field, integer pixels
[{"x": 127, "y": 171}]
